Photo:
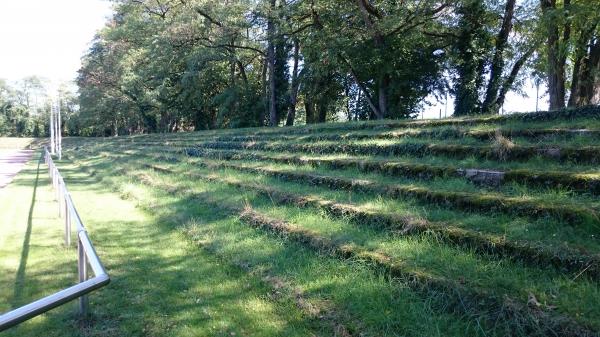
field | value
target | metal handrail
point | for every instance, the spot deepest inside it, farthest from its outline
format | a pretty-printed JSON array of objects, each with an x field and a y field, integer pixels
[{"x": 86, "y": 254}]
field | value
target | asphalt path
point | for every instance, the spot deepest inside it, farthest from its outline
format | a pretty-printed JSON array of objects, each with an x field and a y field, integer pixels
[{"x": 11, "y": 162}]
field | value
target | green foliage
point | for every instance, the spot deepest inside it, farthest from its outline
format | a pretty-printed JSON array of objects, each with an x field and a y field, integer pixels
[
  {"x": 202, "y": 64},
  {"x": 25, "y": 109}
]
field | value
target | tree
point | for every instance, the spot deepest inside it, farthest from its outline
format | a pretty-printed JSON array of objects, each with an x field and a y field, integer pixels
[
  {"x": 585, "y": 78},
  {"x": 172, "y": 65},
  {"x": 555, "y": 20},
  {"x": 470, "y": 51}
]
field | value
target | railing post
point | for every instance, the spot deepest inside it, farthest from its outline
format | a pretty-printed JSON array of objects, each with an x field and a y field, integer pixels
[
  {"x": 82, "y": 269},
  {"x": 57, "y": 185},
  {"x": 67, "y": 223},
  {"x": 54, "y": 178},
  {"x": 61, "y": 195}
]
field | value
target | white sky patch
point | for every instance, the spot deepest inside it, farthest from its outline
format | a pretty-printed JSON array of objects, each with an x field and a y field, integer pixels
[
  {"x": 47, "y": 38},
  {"x": 514, "y": 102}
]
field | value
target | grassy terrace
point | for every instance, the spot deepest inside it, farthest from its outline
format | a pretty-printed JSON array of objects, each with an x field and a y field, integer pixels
[{"x": 209, "y": 234}]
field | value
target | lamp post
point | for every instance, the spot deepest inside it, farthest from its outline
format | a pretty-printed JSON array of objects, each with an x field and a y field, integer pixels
[
  {"x": 58, "y": 129},
  {"x": 55, "y": 128},
  {"x": 52, "y": 144}
]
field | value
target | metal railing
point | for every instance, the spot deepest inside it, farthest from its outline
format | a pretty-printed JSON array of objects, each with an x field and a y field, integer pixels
[{"x": 86, "y": 255}]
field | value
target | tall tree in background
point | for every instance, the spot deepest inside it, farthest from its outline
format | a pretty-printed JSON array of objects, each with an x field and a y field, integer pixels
[
  {"x": 173, "y": 65},
  {"x": 470, "y": 51},
  {"x": 556, "y": 20},
  {"x": 490, "y": 104},
  {"x": 585, "y": 78},
  {"x": 271, "y": 33}
]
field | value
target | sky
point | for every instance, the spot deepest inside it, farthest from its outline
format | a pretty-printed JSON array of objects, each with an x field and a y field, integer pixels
[{"x": 47, "y": 38}]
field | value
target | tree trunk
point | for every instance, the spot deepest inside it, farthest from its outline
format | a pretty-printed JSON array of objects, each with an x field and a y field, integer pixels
[
  {"x": 232, "y": 65},
  {"x": 295, "y": 85},
  {"x": 384, "y": 80},
  {"x": 310, "y": 110},
  {"x": 322, "y": 111},
  {"x": 574, "y": 92},
  {"x": 594, "y": 90},
  {"x": 589, "y": 88},
  {"x": 508, "y": 82},
  {"x": 347, "y": 95},
  {"x": 556, "y": 60},
  {"x": 384, "y": 84},
  {"x": 579, "y": 65},
  {"x": 243, "y": 74},
  {"x": 273, "y": 118},
  {"x": 562, "y": 59},
  {"x": 497, "y": 67},
  {"x": 470, "y": 68},
  {"x": 264, "y": 112},
  {"x": 362, "y": 87}
]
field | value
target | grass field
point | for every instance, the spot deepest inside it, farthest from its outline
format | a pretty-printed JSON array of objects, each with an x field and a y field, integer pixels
[{"x": 458, "y": 227}]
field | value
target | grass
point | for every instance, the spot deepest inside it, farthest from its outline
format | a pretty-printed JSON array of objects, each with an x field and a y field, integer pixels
[
  {"x": 518, "y": 179},
  {"x": 411, "y": 250},
  {"x": 331, "y": 283},
  {"x": 506, "y": 277},
  {"x": 269, "y": 240},
  {"x": 391, "y": 172},
  {"x": 33, "y": 261},
  {"x": 473, "y": 200},
  {"x": 162, "y": 285}
]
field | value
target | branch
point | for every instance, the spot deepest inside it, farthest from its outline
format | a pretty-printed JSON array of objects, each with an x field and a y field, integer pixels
[
  {"x": 406, "y": 26},
  {"x": 508, "y": 82},
  {"x": 361, "y": 86},
  {"x": 227, "y": 46},
  {"x": 208, "y": 17},
  {"x": 162, "y": 13}
]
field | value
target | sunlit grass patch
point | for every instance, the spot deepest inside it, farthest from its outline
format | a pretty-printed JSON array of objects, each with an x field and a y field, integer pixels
[{"x": 350, "y": 257}]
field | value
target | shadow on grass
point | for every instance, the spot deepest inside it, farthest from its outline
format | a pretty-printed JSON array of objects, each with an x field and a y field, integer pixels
[
  {"x": 20, "y": 278},
  {"x": 154, "y": 291}
]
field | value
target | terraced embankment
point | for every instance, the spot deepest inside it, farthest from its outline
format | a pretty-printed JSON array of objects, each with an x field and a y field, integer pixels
[{"x": 473, "y": 226}]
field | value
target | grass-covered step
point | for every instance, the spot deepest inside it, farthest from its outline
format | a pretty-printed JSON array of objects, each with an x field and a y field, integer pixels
[
  {"x": 536, "y": 254},
  {"x": 537, "y": 135},
  {"x": 547, "y": 231},
  {"x": 459, "y": 295},
  {"x": 577, "y": 182},
  {"x": 538, "y": 163},
  {"x": 546, "y": 135},
  {"x": 332, "y": 290},
  {"x": 572, "y": 214},
  {"x": 551, "y": 194},
  {"x": 570, "y": 209},
  {"x": 500, "y": 151},
  {"x": 510, "y": 273},
  {"x": 581, "y": 117}
]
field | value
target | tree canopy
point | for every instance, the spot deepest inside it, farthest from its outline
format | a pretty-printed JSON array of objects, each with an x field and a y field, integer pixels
[
  {"x": 25, "y": 108},
  {"x": 171, "y": 65}
]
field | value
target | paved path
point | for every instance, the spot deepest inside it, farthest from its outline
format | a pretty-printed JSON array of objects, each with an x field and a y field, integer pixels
[{"x": 11, "y": 162}]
